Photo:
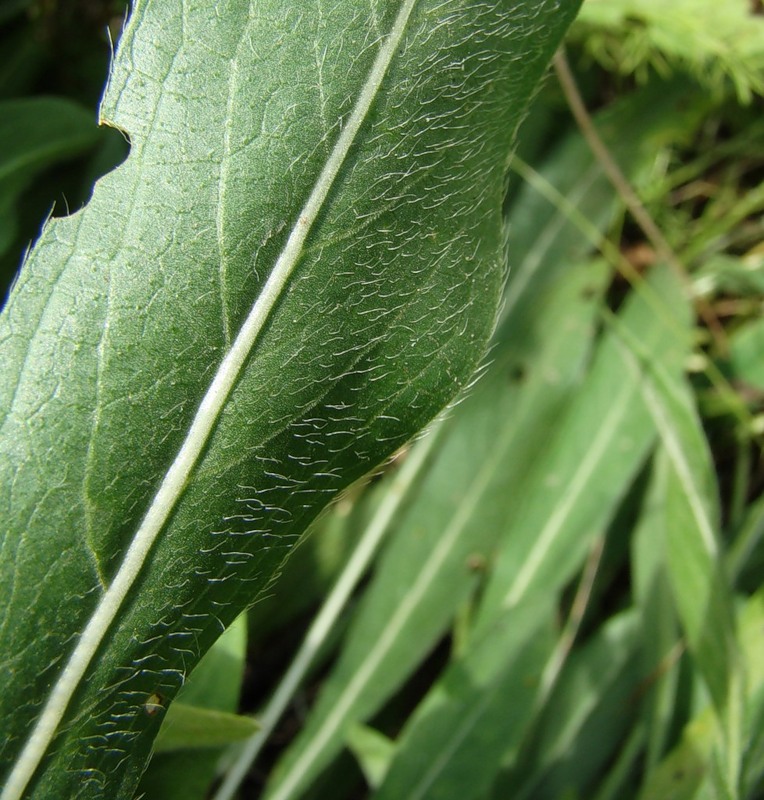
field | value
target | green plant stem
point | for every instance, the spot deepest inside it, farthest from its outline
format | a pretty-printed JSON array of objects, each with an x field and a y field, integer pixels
[
  {"x": 601, "y": 243},
  {"x": 614, "y": 257},
  {"x": 740, "y": 480},
  {"x": 330, "y": 611},
  {"x": 573, "y": 623},
  {"x": 612, "y": 170}
]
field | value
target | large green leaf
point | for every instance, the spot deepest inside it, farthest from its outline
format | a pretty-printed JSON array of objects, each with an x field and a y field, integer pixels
[{"x": 296, "y": 267}]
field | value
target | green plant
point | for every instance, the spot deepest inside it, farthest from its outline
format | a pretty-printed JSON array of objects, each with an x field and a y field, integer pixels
[
  {"x": 556, "y": 590},
  {"x": 297, "y": 266}
]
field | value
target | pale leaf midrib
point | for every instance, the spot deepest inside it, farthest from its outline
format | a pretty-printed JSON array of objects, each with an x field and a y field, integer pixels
[{"x": 177, "y": 476}]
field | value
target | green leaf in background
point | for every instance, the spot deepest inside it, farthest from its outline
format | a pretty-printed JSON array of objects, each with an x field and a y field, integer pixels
[
  {"x": 591, "y": 456},
  {"x": 557, "y": 218},
  {"x": 297, "y": 266},
  {"x": 590, "y": 710},
  {"x": 747, "y": 555},
  {"x": 694, "y": 555},
  {"x": 684, "y": 773},
  {"x": 188, "y": 727},
  {"x": 575, "y": 507},
  {"x": 36, "y": 132},
  {"x": 750, "y": 625},
  {"x": 659, "y": 621},
  {"x": 373, "y": 750},
  {"x": 681, "y": 775},
  {"x": 746, "y": 364}
]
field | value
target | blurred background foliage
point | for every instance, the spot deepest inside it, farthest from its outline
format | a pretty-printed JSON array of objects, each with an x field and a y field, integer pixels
[
  {"x": 55, "y": 59},
  {"x": 567, "y": 599}
]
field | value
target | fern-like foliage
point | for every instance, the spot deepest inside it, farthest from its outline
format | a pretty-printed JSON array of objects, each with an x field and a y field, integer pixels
[{"x": 719, "y": 43}]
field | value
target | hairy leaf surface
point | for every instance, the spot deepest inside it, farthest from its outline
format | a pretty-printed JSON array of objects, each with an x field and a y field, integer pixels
[{"x": 296, "y": 267}]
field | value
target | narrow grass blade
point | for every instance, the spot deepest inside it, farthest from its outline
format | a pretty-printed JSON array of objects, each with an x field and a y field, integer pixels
[
  {"x": 685, "y": 773},
  {"x": 694, "y": 556},
  {"x": 188, "y": 727},
  {"x": 661, "y": 634},
  {"x": 591, "y": 455},
  {"x": 373, "y": 751},
  {"x": 587, "y": 717},
  {"x": 476, "y": 714}
]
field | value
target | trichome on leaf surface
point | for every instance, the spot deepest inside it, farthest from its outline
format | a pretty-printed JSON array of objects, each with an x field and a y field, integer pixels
[{"x": 295, "y": 269}]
